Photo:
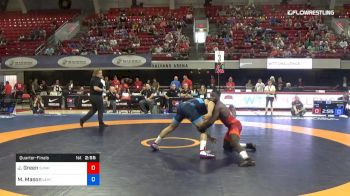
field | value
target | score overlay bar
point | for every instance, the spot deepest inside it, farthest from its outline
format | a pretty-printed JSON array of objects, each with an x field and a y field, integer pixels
[{"x": 57, "y": 169}]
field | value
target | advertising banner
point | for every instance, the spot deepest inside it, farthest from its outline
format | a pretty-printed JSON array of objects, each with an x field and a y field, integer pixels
[
  {"x": 76, "y": 62},
  {"x": 283, "y": 101},
  {"x": 289, "y": 63}
]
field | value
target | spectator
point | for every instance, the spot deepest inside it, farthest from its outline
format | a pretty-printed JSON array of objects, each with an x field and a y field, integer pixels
[
  {"x": 49, "y": 51},
  {"x": 158, "y": 49},
  {"x": 297, "y": 25},
  {"x": 8, "y": 90},
  {"x": 155, "y": 85},
  {"x": 300, "y": 83},
  {"x": 169, "y": 38},
  {"x": 108, "y": 82},
  {"x": 124, "y": 87},
  {"x": 343, "y": 44},
  {"x": 35, "y": 87},
  {"x": 202, "y": 92},
  {"x": 2, "y": 88},
  {"x": 230, "y": 85},
  {"x": 172, "y": 92},
  {"x": 38, "y": 105},
  {"x": 43, "y": 88},
  {"x": 19, "y": 89},
  {"x": 344, "y": 84},
  {"x": 249, "y": 85},
  {"x": 187, "y": 81},
  {"x": 147, "y": 103},
  {"x": 113, "y": 96},
  {"x": 70, "y": 86},
  {"x": 270, "y": 91},
  {"x": 185, "y": 92},
  {"x": 57, "y": 88},
  {"x": 115, "y": 82},
  {"x": 189, "y": 17},
  {"x": 81, "y": 91},
  {"x": 113, "y": 42},
  {"x": 288, "y": 87},
  {"x": 176, "y": 82},
  {"x": 345, "y": 98},
  {"x": 297, "y": 107},
  {"x": 259, "y": 86},
  {"x": 273, "y": 80},
  {"x": 138, "y": 84},
  {"x": 280, "y": 84},
  {"x": 212, "y": 82},
  {"x": 21, "y": 38}
]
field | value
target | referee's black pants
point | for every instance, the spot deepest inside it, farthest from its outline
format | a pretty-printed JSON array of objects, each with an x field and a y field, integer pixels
[{"x": 97, "y": 106}]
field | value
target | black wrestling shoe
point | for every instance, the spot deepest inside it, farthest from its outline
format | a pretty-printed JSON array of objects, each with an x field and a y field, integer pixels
[
  {"x": 249, "y": 162},
  {"x": 227, "y": 146},
  {"x": 81, "y": 123},
  {"x": 251, "y": 147}
]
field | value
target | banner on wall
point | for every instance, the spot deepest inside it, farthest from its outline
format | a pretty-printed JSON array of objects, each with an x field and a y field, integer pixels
[
  {"x": 283, "y": 101},
  {"x": 91, "y": 61},
  {"x": 289, "y": 63}
]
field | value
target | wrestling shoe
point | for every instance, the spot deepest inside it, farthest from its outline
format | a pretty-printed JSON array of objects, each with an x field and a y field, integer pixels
[
  {"x": 154, "y": 147},
  {"x": 81, "y": 123},
  {"x": 251, "y": 147},
  {"x": 103, "y": 125},
  {"x": 247, "y": 162},
  {"x": 206, "y": 154}
]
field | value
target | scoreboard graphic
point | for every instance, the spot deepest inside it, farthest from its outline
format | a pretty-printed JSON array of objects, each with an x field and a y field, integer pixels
[
  {"x": 328, "y": 107},
  {"x": 57, "y": 169}
]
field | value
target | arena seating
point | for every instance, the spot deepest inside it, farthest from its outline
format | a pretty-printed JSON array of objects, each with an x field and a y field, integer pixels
[
  {"x": 255, "y": 30},
  {"x": 131, "y": 34},
  {"x": 31, "y": 26}
]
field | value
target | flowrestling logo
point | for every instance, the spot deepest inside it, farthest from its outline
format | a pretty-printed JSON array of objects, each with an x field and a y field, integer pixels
[{"x": 310, "y": 12}]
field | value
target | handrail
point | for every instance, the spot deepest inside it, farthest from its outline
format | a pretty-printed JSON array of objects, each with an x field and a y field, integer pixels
[
  {"x": 51, "y": 39},
  {"x": 39, "y": 49}
]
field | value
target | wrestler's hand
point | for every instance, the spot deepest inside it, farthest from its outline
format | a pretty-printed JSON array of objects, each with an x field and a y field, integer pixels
[{"x": 206, "y": 117}]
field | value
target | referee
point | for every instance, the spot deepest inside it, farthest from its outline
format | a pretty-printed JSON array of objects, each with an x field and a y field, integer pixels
[{"x": 96, "y": 91}]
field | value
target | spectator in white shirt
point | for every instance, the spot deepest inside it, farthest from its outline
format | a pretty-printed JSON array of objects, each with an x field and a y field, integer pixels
[
  {"x": 158, "y": 49},
  {"x": 343, "y": 44},
  {"x": 259, "y": 86},
  {"x": 113, "y": 42},
  {"x": 57, "y": 88}
]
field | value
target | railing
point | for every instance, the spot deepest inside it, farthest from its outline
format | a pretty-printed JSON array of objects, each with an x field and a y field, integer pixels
[
  {"x": 39, "y": 49},
  {"x": 51, "y": 39}
]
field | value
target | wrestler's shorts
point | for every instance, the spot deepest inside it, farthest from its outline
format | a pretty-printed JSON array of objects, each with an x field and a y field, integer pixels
[{"x": 189, "y": 111}]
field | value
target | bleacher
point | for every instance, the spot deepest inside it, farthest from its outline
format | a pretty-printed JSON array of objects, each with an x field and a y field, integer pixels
[
  {"x": 15, "y": 24},
  {"x": 108, "y": 27},
  {"x": 271, "y": 20}
]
